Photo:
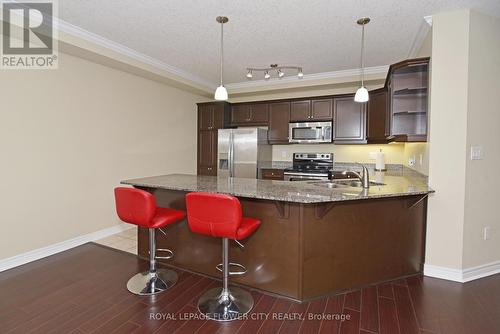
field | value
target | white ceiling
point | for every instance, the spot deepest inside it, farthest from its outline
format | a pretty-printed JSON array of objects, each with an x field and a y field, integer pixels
[{"x": 319, "y": 35}]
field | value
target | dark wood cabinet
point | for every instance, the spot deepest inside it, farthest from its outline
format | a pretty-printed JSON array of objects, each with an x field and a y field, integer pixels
[
  {"x": 211, "y": 117},
  {"x": 300, "y": 111},
  {"x": 377, "y": 128},
  {"x": 240, "y": 114},
  {"x": 407, "y": 84},
  {"x": 322, "y": 110},
  {"x": 279, "y": 118},
  {"x": 349, "y": 121},
  {"x": 207, "y": 152},
  {"x": 259, "y": 113},
  {"x": 311, "y": 110},
  {"x": 249, "y": 114},
  {"x": 273, "y": 174}
]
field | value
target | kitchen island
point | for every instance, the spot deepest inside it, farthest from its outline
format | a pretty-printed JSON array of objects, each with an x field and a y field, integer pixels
[{"x": 316, "y": 238}]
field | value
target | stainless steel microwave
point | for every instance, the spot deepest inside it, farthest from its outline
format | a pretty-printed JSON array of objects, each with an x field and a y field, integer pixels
[{"x": 310, "y": 132}]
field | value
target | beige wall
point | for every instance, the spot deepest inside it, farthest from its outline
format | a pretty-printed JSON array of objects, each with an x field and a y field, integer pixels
[
  {"x": 482, "y": 181},
  {"x": 447, "y": 151},
  {"x": 67, "y": 138},
  {"x": 464, "y": 113}
]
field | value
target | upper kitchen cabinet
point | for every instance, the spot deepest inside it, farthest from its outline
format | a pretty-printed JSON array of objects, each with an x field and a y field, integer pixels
[
  {"x": 249, "y": 114},
  {"x": 311, "y": 110},
  {"x": 408, "y": 88},
  {"x": 279, "y": 117},
  {"x": 377, "y": 125},
  {"x": 322, "y": 110},
  {"x": 212, "y": 116},
  {"x": 300, "y": 110},
  {"x": 349, "y": 121}
]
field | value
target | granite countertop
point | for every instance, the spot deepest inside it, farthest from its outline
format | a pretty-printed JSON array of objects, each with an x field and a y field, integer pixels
[{"x": 299, "y": 192}]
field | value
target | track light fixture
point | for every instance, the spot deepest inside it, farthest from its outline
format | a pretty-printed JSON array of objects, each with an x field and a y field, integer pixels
[{"x": 274, "y": 68}]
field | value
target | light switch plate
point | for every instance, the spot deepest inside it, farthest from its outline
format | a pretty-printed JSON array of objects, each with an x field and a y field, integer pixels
[{"x": 476, "y": 153}]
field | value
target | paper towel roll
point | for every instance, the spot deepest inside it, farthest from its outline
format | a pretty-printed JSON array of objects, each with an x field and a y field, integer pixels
[{"x": 380, "y": 161}]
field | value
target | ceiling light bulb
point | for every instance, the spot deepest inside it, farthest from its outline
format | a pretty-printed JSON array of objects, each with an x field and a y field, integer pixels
[
  {"x": 281, "y": 74},
  {"x": 249, "y": 74},
  {"x": 300, "y": 74},
  {"x": 221, "y": 93},
  {"x": 267, "y": 75},
  {"x": 361, "y": 95}
]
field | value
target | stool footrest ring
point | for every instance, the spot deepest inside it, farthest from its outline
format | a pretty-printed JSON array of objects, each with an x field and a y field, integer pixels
[
  {"x": 166, "y": 250},
  {"x": 243, "y": 270}
]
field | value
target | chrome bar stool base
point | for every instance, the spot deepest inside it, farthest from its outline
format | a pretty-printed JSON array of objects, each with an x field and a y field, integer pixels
[
  {"x": 147, "y": 283},
  {"x": 216, "y": 305},
  {"x": 154, "y": 280}
]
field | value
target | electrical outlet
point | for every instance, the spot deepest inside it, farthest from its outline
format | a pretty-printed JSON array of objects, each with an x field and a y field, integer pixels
[
  {"x": 284, "y": 154},
  {"x": 372, "y": 155},
  {"x": 411, "y": 161},
  {"x": 486, "y": 233},
  {"x": 476, "y": 153}
]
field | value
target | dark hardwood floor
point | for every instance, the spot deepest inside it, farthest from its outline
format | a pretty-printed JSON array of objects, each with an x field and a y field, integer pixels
[{"x": 83, "y": 290}]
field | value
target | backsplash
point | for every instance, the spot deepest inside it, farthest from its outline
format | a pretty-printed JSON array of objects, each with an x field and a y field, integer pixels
[
  {"x": 346, "y": 153},
  {"x": 396, "y": 153}
]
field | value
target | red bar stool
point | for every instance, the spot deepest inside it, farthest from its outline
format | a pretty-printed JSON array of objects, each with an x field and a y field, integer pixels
[
  {"x": 138, "y": 207},
  {"x": 220, "y": 216}
]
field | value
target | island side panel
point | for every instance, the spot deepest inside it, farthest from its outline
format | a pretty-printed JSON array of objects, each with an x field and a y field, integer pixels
[
  {"x": 355, "y": 243},
  {"x": 271, "y": 254}
]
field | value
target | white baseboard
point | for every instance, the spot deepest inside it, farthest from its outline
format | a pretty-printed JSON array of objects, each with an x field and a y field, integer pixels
[
  {"x": 464, "y": 275},
  {"x": 39, "y": 253},
  {"x": 449, "y": 274}
]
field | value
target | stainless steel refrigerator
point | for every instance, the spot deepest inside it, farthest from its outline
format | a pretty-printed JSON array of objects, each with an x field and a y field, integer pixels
[{"x": 242, "y": 151}]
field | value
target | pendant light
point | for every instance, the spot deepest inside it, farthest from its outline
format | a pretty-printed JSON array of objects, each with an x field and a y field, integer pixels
[
  {"x": 221, "y": 91},
  {"x": 362, "y": 92}
]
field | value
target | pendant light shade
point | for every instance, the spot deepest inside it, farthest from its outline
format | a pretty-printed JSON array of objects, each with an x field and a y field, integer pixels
[
  {"x": 362, "y": 93},
  {"x": 221, "y": 91}
]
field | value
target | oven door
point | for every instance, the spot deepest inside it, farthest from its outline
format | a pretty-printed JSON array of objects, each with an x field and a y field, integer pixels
[{"x": 315, "y": 132}]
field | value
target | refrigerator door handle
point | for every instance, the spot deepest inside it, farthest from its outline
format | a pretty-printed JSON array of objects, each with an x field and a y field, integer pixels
[{"x": 230, "y": 157}]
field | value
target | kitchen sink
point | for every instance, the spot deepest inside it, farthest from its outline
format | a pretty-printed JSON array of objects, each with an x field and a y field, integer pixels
[{"x": 343, "y": 184}]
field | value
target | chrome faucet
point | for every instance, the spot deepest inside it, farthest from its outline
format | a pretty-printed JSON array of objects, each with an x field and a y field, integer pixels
[{"x": 364, "y": 178}]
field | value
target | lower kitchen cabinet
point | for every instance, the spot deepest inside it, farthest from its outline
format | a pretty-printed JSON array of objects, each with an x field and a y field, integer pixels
[
  {"x": 349, "y": 121},
  {"x": 273, "y": 174},
  {"x": 207, "y": 152}
]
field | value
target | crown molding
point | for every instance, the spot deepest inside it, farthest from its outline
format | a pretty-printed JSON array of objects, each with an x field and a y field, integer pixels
[
  {"x": 425, "y": 27},
  {"x": 168, "y": 70},
  {"x": 314, "y": 79}
]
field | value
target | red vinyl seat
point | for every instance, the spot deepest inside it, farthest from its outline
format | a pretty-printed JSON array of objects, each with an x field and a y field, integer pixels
[
  {"x": 138, "y": 207},
  {"x": 219, "y": 216}
]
